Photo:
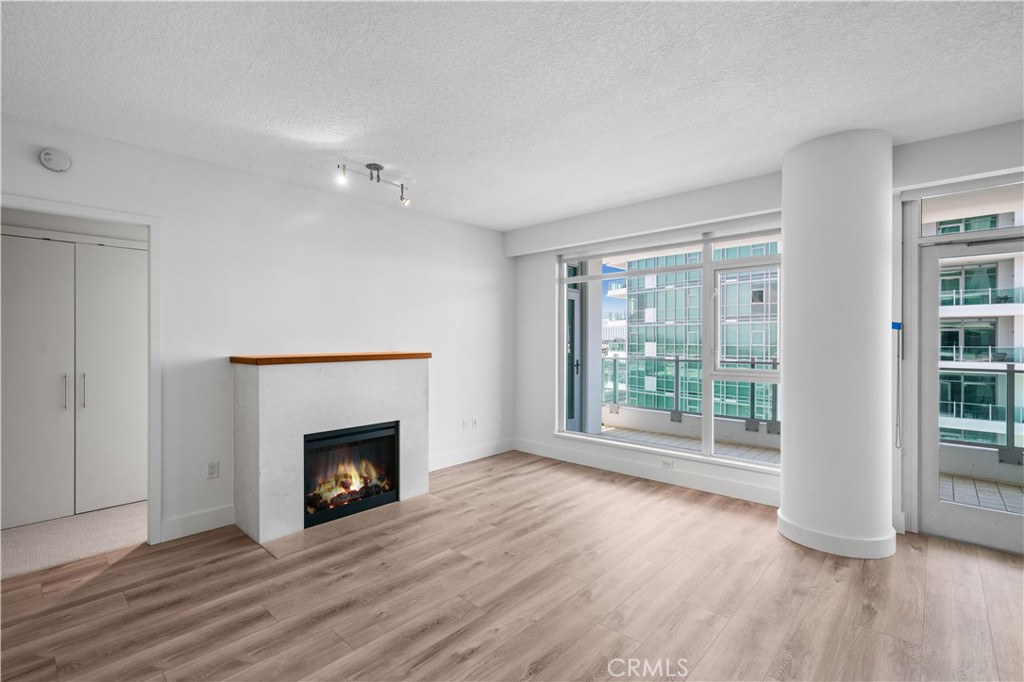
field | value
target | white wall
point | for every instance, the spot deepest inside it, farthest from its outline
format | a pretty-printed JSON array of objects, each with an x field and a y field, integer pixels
[
  {"x": 976, "y": 153},
  {"x": 750, "y": 197},
  {"x": 254, "y": 265},
  {"x": 964, "y": 156}
]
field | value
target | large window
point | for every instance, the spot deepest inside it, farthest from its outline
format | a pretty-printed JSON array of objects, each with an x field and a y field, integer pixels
[{"x": 660, "y": 327}]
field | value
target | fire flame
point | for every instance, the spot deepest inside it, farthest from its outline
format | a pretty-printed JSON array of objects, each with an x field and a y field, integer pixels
[{"x": 349, "y": 479}]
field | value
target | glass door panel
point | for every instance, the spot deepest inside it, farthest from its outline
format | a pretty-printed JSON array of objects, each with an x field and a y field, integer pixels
[
  {"x": 971, "y": 431},
  {"x": 573, "y": 378}
]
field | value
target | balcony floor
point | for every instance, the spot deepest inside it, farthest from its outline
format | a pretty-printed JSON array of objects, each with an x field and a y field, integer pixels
[
  {"x": 980, "y": 493},
  {"x": 722, "y": 448}
]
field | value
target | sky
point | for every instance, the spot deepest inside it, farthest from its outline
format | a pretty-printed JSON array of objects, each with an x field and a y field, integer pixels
[{"x": 610, "y": 304}]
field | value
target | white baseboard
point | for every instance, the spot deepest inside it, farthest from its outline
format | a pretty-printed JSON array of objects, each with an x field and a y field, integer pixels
[
  {"x": 198, "y": 522},
  {"x": 899, "y": 522},
  {"x": 722, "y": 484},
  {"x": 208, "y": 519},
  {"x": 450, "y": 459},
  {"x": 857, "y": 548}
]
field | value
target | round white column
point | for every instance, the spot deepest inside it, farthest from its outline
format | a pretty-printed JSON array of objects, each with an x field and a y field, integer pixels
[{"x": 836, "y": 345}]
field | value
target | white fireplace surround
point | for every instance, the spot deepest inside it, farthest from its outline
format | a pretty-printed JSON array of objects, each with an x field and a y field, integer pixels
[{"x": 276, "y": 405}]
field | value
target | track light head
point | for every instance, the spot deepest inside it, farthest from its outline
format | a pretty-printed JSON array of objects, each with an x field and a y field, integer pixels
[
  {"x": 401, "y": 197},
  {"x": 342, "y": 176}
]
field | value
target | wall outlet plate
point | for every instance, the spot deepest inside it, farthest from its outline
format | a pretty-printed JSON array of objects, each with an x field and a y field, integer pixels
[
  {"x": 213, "y": 470},
  {"x": 668, "y": 464}
]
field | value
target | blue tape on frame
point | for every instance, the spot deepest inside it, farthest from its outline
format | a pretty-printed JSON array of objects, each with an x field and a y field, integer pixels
[{"x": 897, "y": 325}]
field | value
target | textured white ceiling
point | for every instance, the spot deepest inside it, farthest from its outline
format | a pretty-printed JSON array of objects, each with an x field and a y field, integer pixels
[{"x": 510, "y": 114}]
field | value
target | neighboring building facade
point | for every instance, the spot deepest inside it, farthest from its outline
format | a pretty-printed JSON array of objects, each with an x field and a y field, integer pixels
[
  {"x": 982, "y": 322},
  {"x": 662, "y": 330}
]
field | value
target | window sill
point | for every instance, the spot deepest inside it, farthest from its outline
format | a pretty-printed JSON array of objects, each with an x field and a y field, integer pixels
[{"x": 669, "y": 452}]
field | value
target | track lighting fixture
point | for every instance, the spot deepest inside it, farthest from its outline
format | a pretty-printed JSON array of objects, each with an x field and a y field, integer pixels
[{"x": 374, "y": 170}]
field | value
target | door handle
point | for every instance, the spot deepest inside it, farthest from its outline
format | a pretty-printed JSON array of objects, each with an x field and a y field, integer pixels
[
  {"x": 83, "y": 390},
  {"x": 577, "y": 366},
  {"x": 65, "y": 392}
]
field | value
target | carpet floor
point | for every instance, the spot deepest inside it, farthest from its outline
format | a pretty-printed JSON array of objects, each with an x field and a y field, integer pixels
[{"x": 51, "y": 543}]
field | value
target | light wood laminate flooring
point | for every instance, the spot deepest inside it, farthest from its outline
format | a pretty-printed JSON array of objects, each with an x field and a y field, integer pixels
[{"x": 518, "y": 567}]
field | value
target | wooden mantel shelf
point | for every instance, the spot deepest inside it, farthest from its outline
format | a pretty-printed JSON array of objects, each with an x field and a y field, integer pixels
[{"x": 326, "y": 357}]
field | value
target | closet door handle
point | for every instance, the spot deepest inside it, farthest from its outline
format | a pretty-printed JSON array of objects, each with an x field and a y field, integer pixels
[
  {"x": 83, "y": 390},
  {"x": 65, "y": 392}
]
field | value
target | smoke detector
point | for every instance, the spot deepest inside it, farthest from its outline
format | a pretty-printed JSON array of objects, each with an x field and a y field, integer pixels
[{"x": 54, "y": 159}]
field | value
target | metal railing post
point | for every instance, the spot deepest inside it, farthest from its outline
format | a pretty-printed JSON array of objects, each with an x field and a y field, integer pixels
[
  {"x": 753, "y": 391},
  {"x": 1011, "y": 410},
  {"x": 615, "y": 381},
  {"x": 675, "y": 382}
]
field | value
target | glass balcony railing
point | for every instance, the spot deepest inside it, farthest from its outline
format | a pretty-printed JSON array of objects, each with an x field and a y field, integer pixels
[
  {"x": 674, "y": 384},
  {"x": 985, "y": 412},
  {"x": 981, "y": 354},
  {"x": 747, "y": 363},
  {"x": 982, "y": 406},
  {"x": 613, "y": 371},
  {"x": 982, "y": 296}
]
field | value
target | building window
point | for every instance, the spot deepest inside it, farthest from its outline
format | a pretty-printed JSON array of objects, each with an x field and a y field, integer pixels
[
  {"x": 984, "y": 222},
  {"x": 976, "y": 210},
  {"x": 972, "y": 407}
]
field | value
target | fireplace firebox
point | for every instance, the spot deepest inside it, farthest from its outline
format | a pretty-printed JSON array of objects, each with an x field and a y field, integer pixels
[{"x": 350, "y": 470}]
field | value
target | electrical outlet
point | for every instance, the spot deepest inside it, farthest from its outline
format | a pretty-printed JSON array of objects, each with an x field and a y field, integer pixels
[
  {"x": 668, "y": 464},
  {"x": 475, "y": 422},
  {"x": 213, "y": 470},
  {"x": 465, "y": 423}
]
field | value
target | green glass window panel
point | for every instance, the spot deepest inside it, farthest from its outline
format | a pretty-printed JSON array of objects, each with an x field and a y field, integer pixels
[
  {"x": 980, "y": 278},
  {"x": 971, "y": 224},
  {"x": 987, "y": 222},
  {"x": 572, "y": 271}
]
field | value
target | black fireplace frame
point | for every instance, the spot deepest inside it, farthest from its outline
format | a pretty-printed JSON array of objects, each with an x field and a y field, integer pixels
[{"x": 353, "y": 434}]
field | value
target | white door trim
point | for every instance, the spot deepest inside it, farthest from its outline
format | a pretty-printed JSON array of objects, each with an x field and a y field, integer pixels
[{"x": 155, "y": 456}]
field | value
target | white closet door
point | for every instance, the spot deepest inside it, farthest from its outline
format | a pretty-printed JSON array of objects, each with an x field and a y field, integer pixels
[
  {"x": 38, "y": 370},
  {"x": 111, "y": 396}
]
